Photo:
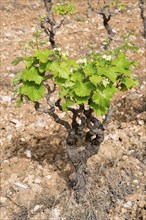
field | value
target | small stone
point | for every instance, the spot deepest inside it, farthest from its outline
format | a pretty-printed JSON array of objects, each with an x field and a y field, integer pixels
[
  {"x": 136, "y": 182},
  {"x": 9, "y": 137},
  {"x": 37, "y": 207},
  {"x": 3, "y": 199},
  {"x": 128, "y": 205},
  {"x": 124, "y": 157},
  {"x": 28, "y": 153},
  {"x": 37, "y": 180},
  {"x": 48, "y": 177},
  {"x": 10, "y": 69},
  {"x": 8, "y": 35},
  {"x": 40, "y": 123},
  {"x": 56, "y": 213},
  {"x": 21, "y": 185},
  {"x": 16, "y": 122},
  {"x": 14, "y": 160},
  {"x": 36, "y": 188},
  {"x": 6, "y": 98},
  {"x": 141, "y": 204},
  {"x": 140, "y": 122},
  {"x": 143, "y": 139}
]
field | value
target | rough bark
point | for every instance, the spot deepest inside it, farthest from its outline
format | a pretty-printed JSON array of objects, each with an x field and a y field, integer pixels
[
  {"x": 142, "y": 6},
  {"x": 85, "y": 134},
  {"x": 106, "y": 15},
  {"x": 49, "y": 24}
]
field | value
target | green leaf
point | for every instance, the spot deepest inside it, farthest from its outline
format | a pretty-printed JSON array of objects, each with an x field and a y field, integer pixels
[
  {"x": 109, "y": 72},
  {"x": 102, "y": 95},
  {"x": 42, "y": 42},
  {"x": 68, "y": 103},
  {"x": 42, "y": 56},
  {"x": 59, "y": 80},
  {"x": 42, "y": 67},
  {"x": 80, "y": 100},
  {"x": 90, "y": 69},
  {"x": 99, "y": 110},
  {"x": 63, "y": 93},
  {"x": 95, "y": 79},
  {"x": 29, "y": 61},
  {"x": 129, "y": 82},
  {"x": 83, "y": 89},
  {"x": 19, "y": 102},
  {"x": 48, "y": 65},
  {"x": 33, "y": 91},
  {"x": 17, "y": 78},
  {"x": 54, "y": 68},
  {"x": 37, "y": 34},
  {"x": 122, "y": 65},
  {"x": 77, "y": 76},
  {"x": 32, "y": 75},
  {"x": 17, "y": 60},
  {"x": 64, "y": 70}
]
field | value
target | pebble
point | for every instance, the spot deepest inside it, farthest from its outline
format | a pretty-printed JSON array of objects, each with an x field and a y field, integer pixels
[
  {"x": 140, "y": 122},
  {"x": 128, "y": 205},
  {"x": 28, "y": 153},
  {"x": 40, "y": 123},
  {"x": 37, "y": 207},
  {"x": 6, "y": 98},
  {"x": 136, "y": 182},
  {"x": 37, "y": 180},
  {"x": 21, "y": 185},
  {"x": 8, "y": 35},
  {"x": 9, "y": 137},
  {"x": 16, "y": 122},
  {"x": 56, "y": 214},
  {"x": 3, "y": 199},
  {"x": 36, "y": 188}
]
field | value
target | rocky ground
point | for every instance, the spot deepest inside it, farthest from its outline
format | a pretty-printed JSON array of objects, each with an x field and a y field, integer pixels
[{"x": 34, "y": 166}]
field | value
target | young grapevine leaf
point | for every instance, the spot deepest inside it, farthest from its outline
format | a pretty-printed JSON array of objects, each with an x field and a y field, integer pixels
[
  {"x": 68, "y": 103},
  {"x": 99, "y": 110},
  {"x": 17, "y": 61},
  {"x": 42, "y": 56},
  {"x": 102, "y": 95},
  {"x": 83, "y": 89},
  {"x": 129, "y": 82},
  {"x": 95, "y": 79},
  {"x": 32, "y": 75},
  {"x": 32, "y": 90}
]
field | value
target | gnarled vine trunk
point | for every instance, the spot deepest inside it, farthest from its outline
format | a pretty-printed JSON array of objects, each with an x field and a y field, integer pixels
[
  {"x": 85, "y": 134},
  {"x": 83, "y": 141}
]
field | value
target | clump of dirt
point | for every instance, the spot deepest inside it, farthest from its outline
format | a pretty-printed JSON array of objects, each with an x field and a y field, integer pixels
[{"x": 34, "y": 166}]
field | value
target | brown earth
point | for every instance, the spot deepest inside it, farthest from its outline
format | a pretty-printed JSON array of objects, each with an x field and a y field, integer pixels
[{"x": 34, "y": 166}]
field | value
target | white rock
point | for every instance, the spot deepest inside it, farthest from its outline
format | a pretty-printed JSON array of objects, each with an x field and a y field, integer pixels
[
  {"x": 3, "y": 199},
  {"x": 9, "y": 137},
  {"x": 37, "y": 207},
  {"x": 128, "y": 205},
  {"x": 37, "y": 180},
  {"x": 6, "y": 98},
  {"x": 16, "y": 122},
  {"x": 40, "y": 123},
  {"x": 28, "y": 153},
  {"x": 48, "y": 177},
  {"x": 21, "y": 185},
  {"x": 36, "y": 188},
  {"x": 56, "y": 214},
  {"x": 136, "y": 182},
  {"x": 8, "y": 35}
]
